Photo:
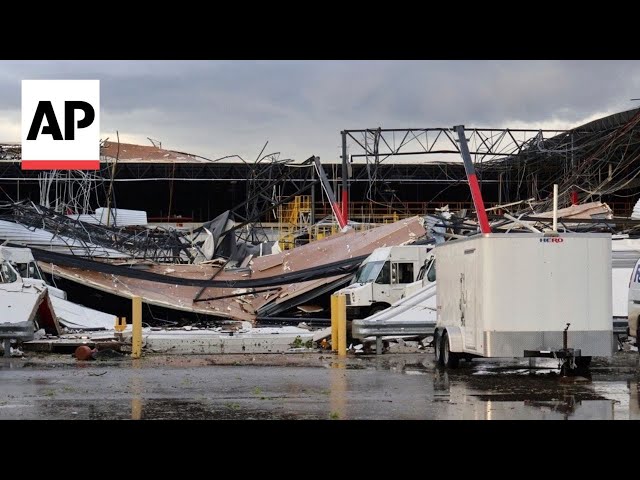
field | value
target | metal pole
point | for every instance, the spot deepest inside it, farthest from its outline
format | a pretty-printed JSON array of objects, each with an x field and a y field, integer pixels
[
  {"x": 342, "y": 325},
  {"x": 327, "y": 188},
  {"x": 313, "y": 200},
  {"x": 473, "y": 180},
  {"x": 136, "y": 339},
  {"x": 334, "y": 323},
  {"x": 113, "y": 174},
  {"x": 345, "y": 174},
  {"x": 555, "y": 207}
]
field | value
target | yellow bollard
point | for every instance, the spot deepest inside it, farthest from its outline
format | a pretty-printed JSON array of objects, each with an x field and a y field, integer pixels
[
  {"x": 136, "y": 339},
  {"x": 121, "y": 324},
  {"x": 334, "y": 323},
  {"x": 342, "y": 325}
]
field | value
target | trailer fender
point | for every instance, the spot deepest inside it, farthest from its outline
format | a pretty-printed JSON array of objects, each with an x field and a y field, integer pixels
[{"x": 455, "y": 338}]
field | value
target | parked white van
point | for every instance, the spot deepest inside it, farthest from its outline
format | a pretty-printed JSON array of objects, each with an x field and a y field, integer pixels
[
  {"x": 386, "y": 276},
  {"x": 634, "y": 302}
]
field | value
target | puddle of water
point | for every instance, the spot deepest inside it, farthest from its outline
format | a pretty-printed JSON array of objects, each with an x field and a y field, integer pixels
[
  {"x": 566, "y": 409},
  {"x": 156, "y": 409},
  {"x": 510, "y": 392},
  {"x": 516, "y": 371}
]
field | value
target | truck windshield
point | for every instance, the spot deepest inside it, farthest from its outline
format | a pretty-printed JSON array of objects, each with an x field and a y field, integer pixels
[
  {"x": 429, "y": 268},
  {"x": 368, "y": 272},
  {"x": 28, "y": 270},
  {"x": 7, "y": 274}
]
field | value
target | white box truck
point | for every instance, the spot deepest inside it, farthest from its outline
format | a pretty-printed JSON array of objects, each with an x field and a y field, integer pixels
[
  {"x": 634, "y": 303},
  {"x": 386, "y": 276},
  {"x": 524, "y": 295}
]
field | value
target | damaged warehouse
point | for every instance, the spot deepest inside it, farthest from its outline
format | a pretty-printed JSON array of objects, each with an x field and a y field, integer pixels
[
  {"x": 319, "y": 240},
  {"x": 317, "y": 220}
]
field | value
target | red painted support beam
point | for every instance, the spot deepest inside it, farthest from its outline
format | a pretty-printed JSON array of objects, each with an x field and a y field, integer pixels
[
  {"x": 477, "y": 200},
  {"x": 345, "y": 206},
  {"x": 473, "y": 180}
]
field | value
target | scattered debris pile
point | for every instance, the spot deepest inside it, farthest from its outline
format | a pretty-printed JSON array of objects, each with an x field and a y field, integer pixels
[{"x": 266, "y": 286}]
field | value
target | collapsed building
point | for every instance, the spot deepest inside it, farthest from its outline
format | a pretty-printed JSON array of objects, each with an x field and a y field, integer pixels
[
  {"x": 385, "y": 172},
  {"x": 266, "y": 287},
  {"x": 274, "y": 219}
]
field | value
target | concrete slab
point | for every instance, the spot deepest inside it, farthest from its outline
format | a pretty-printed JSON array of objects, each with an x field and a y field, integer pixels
[{"x": 257, "y": 340}]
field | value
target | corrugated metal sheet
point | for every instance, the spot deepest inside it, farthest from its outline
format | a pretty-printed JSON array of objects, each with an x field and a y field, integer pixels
[
  {"x": 119, "y": 217},
  {"x": 84, "y": 217},
  {"x": 38, "y": 238},
  {"x": 75, "y": 316},
  {"x": 609, "y": 122},
  {"x": 636, "y": 211},
  {"x": 131, "y": 153},
  {"x": 331, "y": 249},
  {"x": 583, "y": 210}
]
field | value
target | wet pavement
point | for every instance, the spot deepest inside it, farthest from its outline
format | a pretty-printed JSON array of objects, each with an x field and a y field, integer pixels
[{"x": 313, "y": 386}]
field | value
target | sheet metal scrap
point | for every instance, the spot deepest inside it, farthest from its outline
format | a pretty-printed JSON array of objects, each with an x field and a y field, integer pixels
[
  {"x": 223, "y": 302},
  {"x": 131, "y": 153},
  {"x": 582, "y": 211},
  {"x": 25, "y": 310},
  {"x": 575, "y": 214},
  {"x": 25, "y": 223}
]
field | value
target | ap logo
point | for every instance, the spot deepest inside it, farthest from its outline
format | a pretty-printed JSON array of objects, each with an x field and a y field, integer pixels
[{"x": 60, "y": 124}]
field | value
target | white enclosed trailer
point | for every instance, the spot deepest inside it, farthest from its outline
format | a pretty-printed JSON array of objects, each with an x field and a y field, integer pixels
[{"x": 519, "y": 295}]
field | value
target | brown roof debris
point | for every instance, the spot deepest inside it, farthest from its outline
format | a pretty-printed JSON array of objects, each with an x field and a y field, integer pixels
[
  {"x": 582, "y": 211},
  {"x": 130, "y": 153},
  {"x": 247, "y": 306}
]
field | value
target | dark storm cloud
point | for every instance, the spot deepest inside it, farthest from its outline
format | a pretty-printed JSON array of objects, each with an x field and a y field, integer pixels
[{"x": 220, "y": 108}]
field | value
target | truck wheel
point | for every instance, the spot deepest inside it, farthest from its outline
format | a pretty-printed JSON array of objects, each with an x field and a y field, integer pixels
[
  {"x": 437, "y": 346},
  {"x": 449, "y": 358}
]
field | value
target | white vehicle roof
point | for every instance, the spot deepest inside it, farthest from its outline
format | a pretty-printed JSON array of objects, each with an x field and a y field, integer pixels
[{"x": 17, "y": 255}]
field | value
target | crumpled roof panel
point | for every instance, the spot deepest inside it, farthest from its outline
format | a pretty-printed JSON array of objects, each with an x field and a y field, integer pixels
[
  {"x": 245, "y": 307},
  {"x": 130, "y": 153}
]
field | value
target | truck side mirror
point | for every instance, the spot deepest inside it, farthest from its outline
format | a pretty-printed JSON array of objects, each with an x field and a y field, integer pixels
[{"x": 431, "y": 273}]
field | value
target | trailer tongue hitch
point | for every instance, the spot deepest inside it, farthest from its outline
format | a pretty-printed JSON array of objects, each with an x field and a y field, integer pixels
[
  {"x": 568, "y": 355},
  {"x": 565, "y": 337}
]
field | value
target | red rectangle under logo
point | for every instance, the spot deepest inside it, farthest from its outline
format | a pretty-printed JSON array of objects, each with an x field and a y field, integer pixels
[{"x": 60, "y": 164}]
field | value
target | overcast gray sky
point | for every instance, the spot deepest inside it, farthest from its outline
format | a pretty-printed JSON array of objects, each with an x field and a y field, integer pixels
[{"x": 217, "y": 108}]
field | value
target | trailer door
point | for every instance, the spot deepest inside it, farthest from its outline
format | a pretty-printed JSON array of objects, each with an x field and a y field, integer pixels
[{"x": 468, "y": 298}]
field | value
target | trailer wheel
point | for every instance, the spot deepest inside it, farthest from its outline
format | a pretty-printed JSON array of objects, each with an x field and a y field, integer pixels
[
  {"x": 449, "y": 358},
  {"x": 437, "y": 346}
]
